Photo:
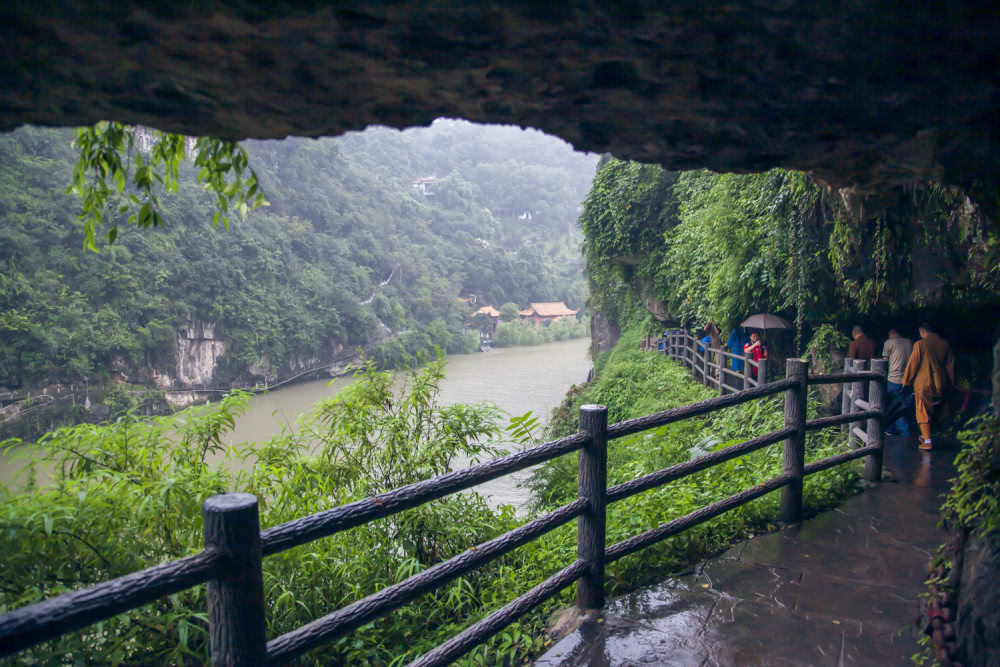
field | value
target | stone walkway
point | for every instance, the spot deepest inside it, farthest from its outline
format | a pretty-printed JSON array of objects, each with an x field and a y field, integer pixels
[{"x": 839, "y": 589}]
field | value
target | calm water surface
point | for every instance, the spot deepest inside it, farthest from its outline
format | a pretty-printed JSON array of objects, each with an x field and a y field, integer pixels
[{"x": 516, "y": 379}]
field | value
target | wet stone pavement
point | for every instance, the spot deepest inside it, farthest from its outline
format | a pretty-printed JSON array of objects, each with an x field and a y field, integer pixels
[{"x": 838, "y": 589}]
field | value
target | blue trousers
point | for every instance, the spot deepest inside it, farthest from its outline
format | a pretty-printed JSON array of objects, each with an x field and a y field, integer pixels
[{"x": 900, "y": 426}]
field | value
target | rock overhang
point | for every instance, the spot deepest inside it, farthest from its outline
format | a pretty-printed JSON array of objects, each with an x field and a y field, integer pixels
[{"x": 863, "y": 94}]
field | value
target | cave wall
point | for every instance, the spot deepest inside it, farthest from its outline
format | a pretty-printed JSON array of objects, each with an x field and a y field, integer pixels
[
  {"x": 978, "y": 622},
  {"x": 864, "y": 94}
]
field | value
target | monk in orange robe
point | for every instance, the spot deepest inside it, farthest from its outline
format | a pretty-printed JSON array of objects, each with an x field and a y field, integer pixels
[{"x": 931, "y": 373}]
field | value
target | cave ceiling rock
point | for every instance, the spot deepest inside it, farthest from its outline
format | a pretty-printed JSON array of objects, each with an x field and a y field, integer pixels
[{"x": 863, "y": 94}]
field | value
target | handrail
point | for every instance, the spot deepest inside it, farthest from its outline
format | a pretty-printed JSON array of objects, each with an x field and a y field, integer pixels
[
  {"x": 323, "y": 524},
  {"x": 836, "y": 420},
  {"x": 476, "y": 634},
  {"x": 335, "y": 625},
  {"x": 48, "y": 619},
  {"x": 837, "y": 459},
  {"x": 840, "y": 378},
  {"x": 231, "y": 562},
  {"x": 695, "y": 409},
  {"x": 675, "y": 526},
  {"x": 675, "y": 472}
]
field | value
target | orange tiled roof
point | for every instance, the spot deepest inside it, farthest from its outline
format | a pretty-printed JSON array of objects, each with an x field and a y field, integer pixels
[
  {"x": 550, "y": 309},
  {"x": 488, "y": 310}
]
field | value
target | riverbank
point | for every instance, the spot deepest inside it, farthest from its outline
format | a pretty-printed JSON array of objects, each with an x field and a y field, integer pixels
[{"x": 517, "y": 380}]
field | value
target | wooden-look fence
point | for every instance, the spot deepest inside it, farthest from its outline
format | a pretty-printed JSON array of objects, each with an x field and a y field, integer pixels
[
  {"x": 708, "y": 364},
  {"x": 230, "y": 564}
]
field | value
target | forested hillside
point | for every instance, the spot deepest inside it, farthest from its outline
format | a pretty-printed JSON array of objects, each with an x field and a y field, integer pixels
[{"x": 347, "y": 251}]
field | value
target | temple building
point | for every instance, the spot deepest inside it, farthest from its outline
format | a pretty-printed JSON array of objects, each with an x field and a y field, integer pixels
[{"x": 547, "y": 311}]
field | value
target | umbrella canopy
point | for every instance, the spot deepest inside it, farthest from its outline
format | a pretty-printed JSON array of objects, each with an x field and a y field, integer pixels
[{"x": 766, "y": 321}]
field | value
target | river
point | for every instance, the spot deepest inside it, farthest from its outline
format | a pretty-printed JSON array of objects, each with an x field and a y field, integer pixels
[{"x": 516, "y": 379}]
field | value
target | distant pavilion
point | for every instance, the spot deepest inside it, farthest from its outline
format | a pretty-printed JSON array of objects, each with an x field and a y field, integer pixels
[{"x": 547, "y": 311}]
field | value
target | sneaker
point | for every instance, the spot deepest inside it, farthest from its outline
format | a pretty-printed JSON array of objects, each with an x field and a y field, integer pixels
[{"x": 926, "y": 445}]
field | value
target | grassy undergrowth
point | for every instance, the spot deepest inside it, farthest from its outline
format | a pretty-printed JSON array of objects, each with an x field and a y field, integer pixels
[{"x": 127, "y": 496}]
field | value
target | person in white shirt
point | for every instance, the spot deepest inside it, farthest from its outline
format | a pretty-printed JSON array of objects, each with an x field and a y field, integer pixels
[{"x": 897, "y": 350}]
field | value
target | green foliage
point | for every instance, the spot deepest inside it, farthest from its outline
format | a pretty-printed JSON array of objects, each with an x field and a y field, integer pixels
[
  {"x": 973, "y": 503},
  {"x": 407, "y": 350},
  {"x": 124, "y": 496},
  {"x": 625, "y": 214},
  {"x": 508, "y": 334},
  {"x": 825, "y": 338},
  {"x": 510, "y": 312},
  {"x": 723, "y": 246},
  {"x": 522, "y": 429},
  {"x": 127, "y": 495},
  {"x": 735, "y": 251},
  {"x": 971, "y": 508},
  {"x": 103, "y": 171}
]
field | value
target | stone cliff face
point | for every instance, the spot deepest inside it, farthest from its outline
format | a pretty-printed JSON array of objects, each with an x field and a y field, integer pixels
[
  {"x": 199, "y": 350},
  {"x": 603, "y": 333},
  {"x": 200, "y": 363},
  {"x": 866, "y": 94}
]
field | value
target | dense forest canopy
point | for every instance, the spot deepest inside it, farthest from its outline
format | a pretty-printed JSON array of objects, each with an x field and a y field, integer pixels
[{"x": 348, "y": 247}]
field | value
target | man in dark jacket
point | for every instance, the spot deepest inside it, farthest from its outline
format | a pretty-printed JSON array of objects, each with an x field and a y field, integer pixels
[{"x": 862, "y": 346}]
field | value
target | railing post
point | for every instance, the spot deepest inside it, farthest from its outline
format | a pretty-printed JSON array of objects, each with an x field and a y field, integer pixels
[
  {"x": 592, "y": 484},
  {"x": 746, "y": 371},
  {"x": 876, "y": 425},
  {"x": 762, "y": 372},
  {"x": 237, "y": 629},
  {"x": 857, "y": 365},
  {"x": 846, "y": 401},
  {"x": 793, "y": 451},
  {"x": 721, "y": 360},
  {"x": 704, "y": 366}
]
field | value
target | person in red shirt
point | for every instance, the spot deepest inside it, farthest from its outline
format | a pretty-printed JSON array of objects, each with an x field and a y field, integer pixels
[{"x": 754, "y": 350}]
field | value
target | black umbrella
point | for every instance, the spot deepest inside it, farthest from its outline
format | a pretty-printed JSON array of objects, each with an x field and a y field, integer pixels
[{"x": 766, "y": 321}]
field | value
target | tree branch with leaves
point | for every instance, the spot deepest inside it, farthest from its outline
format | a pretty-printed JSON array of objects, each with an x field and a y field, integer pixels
[{"x": 115, "y": 180}]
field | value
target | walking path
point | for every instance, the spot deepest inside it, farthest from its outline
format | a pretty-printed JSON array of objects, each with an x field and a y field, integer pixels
[{"x": 838, "y": 589}]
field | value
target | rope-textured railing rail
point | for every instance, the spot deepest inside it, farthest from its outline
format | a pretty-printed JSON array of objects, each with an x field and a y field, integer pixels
[
  {"x": 324, "y": 524},
  {"x": 837, "y": 459},
  {"x": 476, "y": 634},
  {"x": 837, "y": 420},
  {"x": 354, "y": 615},
  {"x": 51, "y": 618},
  {"x": 840, "y": 378},
  {"x": 235, "y": 546},
  {"x": 673, "y": 473},
  {"x": 695, "y": 409},
  {"x": 650, "y": 537}
]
